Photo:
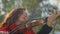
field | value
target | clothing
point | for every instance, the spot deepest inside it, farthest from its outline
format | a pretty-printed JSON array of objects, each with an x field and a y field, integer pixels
[
  {"x": 27, "y": 31},
  {"x": 45, "y": 30}
]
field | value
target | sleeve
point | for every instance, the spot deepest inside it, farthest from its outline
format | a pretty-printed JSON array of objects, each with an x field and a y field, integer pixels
[
  {"x": 45, "y": 29},
  {"x": 3, "y": 29}
]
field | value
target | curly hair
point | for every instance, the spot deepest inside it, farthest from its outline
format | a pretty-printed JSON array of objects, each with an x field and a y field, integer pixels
[{"x": 13, "y": 16}]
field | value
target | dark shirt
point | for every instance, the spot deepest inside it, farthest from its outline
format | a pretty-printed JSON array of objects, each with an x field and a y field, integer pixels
[{"x": 45, "y": 29}]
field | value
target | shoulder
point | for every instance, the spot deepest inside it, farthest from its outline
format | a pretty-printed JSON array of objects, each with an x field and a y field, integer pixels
[{"x": 2, "y": 28}]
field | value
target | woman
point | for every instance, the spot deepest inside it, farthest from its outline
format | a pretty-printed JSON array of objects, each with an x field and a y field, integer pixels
[{"x": 18, "y": 16}]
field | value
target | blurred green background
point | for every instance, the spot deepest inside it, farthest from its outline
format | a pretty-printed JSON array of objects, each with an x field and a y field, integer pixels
[{"x": 33, "y": 8}]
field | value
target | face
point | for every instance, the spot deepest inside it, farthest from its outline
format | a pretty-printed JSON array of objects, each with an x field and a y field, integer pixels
[{"x": 23, "y": 17}]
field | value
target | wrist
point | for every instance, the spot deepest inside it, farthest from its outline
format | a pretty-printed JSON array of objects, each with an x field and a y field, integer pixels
[{"x": 50, "y": 24}]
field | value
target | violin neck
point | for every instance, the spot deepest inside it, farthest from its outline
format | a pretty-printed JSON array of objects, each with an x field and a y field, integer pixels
[{"x": 29, "y": 25}]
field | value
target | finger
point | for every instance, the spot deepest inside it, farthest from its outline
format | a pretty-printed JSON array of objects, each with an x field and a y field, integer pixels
[
  {"x": 58, "y": 13},
  {"x": 50, "y": 13},
  {"x": 54, "y": 12}
]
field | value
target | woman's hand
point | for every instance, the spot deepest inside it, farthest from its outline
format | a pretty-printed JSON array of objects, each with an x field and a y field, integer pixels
[
  {"x": 4, "y": 32},
  {"x": 52, "y": 17}
]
